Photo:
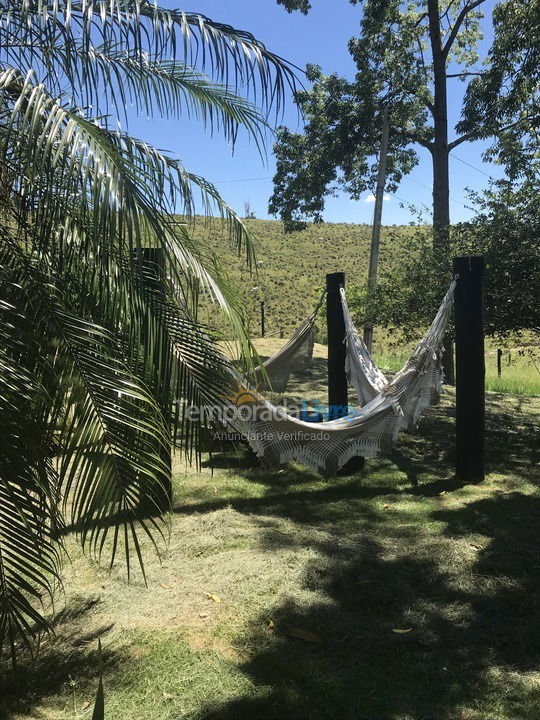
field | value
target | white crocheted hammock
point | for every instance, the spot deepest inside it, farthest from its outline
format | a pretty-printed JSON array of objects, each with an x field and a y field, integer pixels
[
  {"x": 277, "y": 437},
  {"x": 295, "y": 355},
  {"x": 362, "y": 373}
]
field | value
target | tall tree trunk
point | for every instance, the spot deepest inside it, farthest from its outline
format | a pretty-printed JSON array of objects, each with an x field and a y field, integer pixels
[
  {"x": 377, "y": 216},
  {"x": 441, "y": 180},
  {"x": 441, "y": 190}
]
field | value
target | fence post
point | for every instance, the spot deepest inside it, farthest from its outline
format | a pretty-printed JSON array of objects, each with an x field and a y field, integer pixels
[
  {"x": 499, "y": 362},
  {"x": 470, "y": 368},
  {"x": 335, "y": 322},
  {"x": 262, "y": 318}
]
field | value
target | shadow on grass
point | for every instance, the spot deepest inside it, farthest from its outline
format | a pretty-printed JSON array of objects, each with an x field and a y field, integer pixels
[
  {"x": 463, "y": 636},
  {"x": 469, "y": 607},
  {"x": 69, "y": 654},
  {"x": 421, "y": 464}
]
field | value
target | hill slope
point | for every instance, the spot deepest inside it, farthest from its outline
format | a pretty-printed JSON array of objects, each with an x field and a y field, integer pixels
[{"x": 291, "y": 268}]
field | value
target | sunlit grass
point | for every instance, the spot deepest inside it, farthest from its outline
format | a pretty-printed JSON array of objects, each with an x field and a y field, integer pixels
[{"x": 520, "y": 377}]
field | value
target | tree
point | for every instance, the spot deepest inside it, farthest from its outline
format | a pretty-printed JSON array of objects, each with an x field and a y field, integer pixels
[
  {"x": 405, "y": 56},
  {"x": 101, "y": 352},
  {"x": 507, "y": 93},
  {"x": 249, "y": 214},
  {"x": 506, "y": 230}
]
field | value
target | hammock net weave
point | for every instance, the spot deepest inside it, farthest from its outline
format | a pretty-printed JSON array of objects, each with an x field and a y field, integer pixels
[
  {"x": 277, "y": 437},
  {"x": 295, "y": 355},
  {"x": 362, "y": 373}
]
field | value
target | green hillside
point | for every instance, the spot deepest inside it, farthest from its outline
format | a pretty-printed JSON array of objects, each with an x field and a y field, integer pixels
[{"x": 291, "y": 268}]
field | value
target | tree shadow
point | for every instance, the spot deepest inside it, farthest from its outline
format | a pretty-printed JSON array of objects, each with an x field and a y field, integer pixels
[
  {"x": 509, "y": 556},
  {"x": 400, "y": 630},
  {"x": 70, "y": 652},
  {"x": 463, "y": 637}
]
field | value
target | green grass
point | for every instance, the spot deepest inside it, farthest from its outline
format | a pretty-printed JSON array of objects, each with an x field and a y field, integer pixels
[
  {"x": 520, "y": 377},
  {"x": 292, "y": 268},
  {"x": 396, "y": 545}
]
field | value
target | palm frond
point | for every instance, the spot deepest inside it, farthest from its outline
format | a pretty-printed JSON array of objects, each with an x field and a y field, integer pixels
[
  {"x": 232, "y": 56},
  {"x": 102, "y": 357},
  {"x": 29, "y": 489},
  {"x": 169, "y": 88},
  {"x": 126, "y": 186},
  {"x": 110, "y": 431}
]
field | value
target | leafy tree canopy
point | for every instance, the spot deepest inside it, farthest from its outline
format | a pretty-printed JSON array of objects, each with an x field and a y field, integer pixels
[
  {"x": 507, "y": 231},
  {"x": 507, "y": 92},
  {"x": 290, "y": 5},
  {"x": 336, "y": 149},
  {"x": 406, "y": 54}
]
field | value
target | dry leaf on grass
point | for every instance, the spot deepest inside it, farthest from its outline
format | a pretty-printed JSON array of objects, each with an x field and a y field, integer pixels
[
  {"x": 302, "y": 634},
  {"x": 213, "y": 597},
  {"x": 401, "y": 631}
]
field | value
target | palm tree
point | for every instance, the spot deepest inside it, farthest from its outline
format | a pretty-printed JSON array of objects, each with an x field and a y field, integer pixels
[{"x": 101, "y": 351}]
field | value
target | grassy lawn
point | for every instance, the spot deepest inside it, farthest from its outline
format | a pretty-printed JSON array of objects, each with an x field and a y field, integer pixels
[
  {"x": 393, "y": 593},
  {"x": 520, "y": 371}
]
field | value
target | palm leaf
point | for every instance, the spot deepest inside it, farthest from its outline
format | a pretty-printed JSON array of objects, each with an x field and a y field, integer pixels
[
  {"x": 29, "y": 557},
  {"x": 232, "y": 56},
  {"x": 101, "y": 359}
]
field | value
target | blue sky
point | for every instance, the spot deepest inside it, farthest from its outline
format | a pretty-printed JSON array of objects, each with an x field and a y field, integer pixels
[{"x": 320, "y": 37}]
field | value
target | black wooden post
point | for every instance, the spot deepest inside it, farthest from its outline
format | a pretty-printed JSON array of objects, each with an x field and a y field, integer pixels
[
  {"x": 470, "y": 368},
  {"x": 153, "y": 262},
  {"x": 499, "y": 362},
  {"x": 335, "y": 322},
  {"x": 262, "y": 318}
]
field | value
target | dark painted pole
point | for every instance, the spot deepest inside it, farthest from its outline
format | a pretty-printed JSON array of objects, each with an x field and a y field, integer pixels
[
  {"x": 262, "y": 318},
  {"x": 153, "y": 261},
  {"x": 499, "y": 362},
  {"x": 470, "y": 368},
  {"x": 335, "y": 322}
]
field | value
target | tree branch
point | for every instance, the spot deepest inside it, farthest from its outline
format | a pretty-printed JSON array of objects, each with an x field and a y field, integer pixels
[
  {"x": 462, "y": 139},
  {"x": 465, "y": 73},
  {"x": 431, "y": 107},
  {"x": 448, "y": 8},
  {"x": 496, "y": 131},
  {"x": 459, "y": 21},
  {"x": 415, "y": 137}
]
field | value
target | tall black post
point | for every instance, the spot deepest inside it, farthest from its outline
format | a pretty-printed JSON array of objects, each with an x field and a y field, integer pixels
[
  {"x": 153, "y": 262},
  {"x": 337, "y": 379},
  {"x": 470, "y": 368}
]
